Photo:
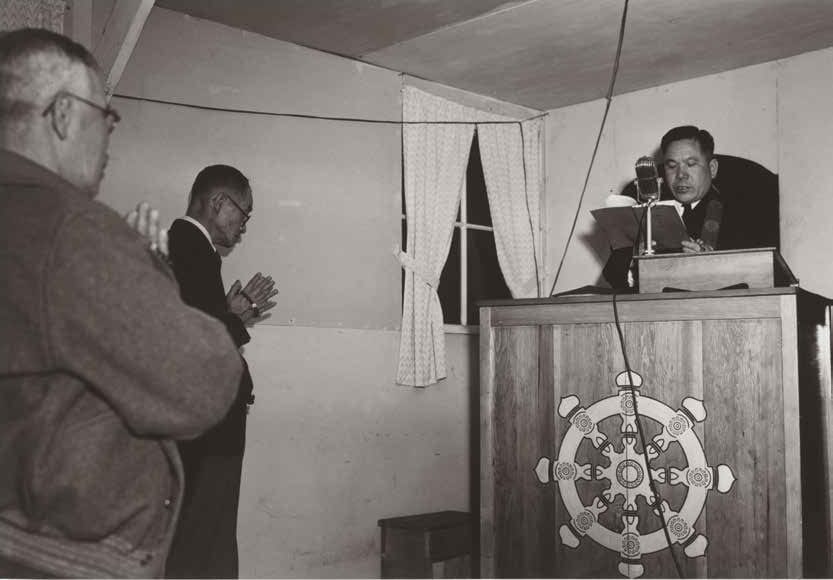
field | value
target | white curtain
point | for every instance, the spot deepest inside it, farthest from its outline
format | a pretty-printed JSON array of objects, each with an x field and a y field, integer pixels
[
  {"x": 435, "y": 159},
  {"x": 47, "y": 14},
  {"x": 511, "y": 157}
]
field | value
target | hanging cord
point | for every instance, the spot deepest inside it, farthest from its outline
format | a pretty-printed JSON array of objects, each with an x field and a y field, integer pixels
[
  {"x": 529, "y": 215},
  {"x": 314, "y": 117},
  {"x": 640, "y": 431},
  {"x": 609, "y": 99},
  {"x": 635, "y": 250}
]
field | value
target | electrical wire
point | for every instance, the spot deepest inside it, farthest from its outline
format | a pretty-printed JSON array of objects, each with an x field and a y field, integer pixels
[
  {"x": 529, "y": 217},
  {"x": 609, "y": 98},
  {"x": 641, "y": 432},
  {"x": 317, "y": 117}
]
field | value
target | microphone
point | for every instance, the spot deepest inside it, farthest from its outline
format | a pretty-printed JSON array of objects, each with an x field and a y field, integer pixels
[
  {"x": 711, "y": 223},
  {"x": 647, "y": 179}
]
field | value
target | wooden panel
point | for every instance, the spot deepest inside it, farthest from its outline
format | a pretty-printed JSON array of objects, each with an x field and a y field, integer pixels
[
  {"x": 775, "y": 521},
  {"x": 706, "y": 271},
  {"x": 546, "y": 533},
  {"x": 517, "y": 420},
  {"x": 745, "y": 430},
  {"x": 544, "y": 43},
  {"x": 792, "y": 439},
  {"x": 630, "y": 310},
  {"x": 346, "y": 27},
  {"x": 449, "y": 543},
  {"x": 588, "y": 358},
  {"x": 404, "y": 554},
  {"x": 486, "y": 530},
  {"x": 815, "y": 421}
]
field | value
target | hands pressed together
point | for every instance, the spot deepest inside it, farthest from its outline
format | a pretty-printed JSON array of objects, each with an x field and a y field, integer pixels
[
  {"x": 250, "y": 303},
  {"x": 145, "y": 220},
  {"x": 695, "y": 245}
]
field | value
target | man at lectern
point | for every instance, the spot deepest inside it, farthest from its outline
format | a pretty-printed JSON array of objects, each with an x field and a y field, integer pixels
[{"x": 712, "y": 222}]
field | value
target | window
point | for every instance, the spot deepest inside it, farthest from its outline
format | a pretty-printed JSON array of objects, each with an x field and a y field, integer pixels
[{"x": 471, "y": 271}]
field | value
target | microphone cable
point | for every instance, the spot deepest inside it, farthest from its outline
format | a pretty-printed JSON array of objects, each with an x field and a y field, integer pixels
[
  {"x": 641, "y": 433},
  {"x": 634, "y": 253},
  {"x": 608, "y": 99}
]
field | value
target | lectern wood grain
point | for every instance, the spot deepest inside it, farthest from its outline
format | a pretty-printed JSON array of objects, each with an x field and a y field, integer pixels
[{"x": 742, "y": 353}]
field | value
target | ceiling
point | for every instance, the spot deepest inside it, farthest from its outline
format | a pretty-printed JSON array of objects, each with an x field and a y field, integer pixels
[{"x": 542, "y": 54}]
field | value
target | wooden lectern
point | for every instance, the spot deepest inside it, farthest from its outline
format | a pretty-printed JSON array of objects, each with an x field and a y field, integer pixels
[{"x": 733, "y": 393}]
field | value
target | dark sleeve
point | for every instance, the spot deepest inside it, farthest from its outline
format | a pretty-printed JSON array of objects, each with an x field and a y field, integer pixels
[
  {"x": 617, "y": 266},
  {"x": 199, "y": 281},
  {"x": 115, "y": 319},
  {"x": 749, "y": 227}
]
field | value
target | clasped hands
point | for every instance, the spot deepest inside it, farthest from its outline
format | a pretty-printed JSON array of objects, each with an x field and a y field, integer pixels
[
  {"x": 251, "y": 302},
  {"x": 691, "y": 246},
  {"x": 695, "y": 245},
  {"x": 145, "y": 220}
]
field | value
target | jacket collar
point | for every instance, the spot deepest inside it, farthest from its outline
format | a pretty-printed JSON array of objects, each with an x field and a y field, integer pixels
[
  {"x": 15, "y": 169},
  {"x": 200, "y": 227}
]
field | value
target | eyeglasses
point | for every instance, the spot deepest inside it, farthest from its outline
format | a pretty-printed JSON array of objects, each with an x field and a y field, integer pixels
[
  {"x": 111, "y": 116},
  {"x": 247, "y": 215}
]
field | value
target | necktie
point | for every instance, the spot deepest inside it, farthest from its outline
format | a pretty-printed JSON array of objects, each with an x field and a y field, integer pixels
[{"x": 687, "y": 215}]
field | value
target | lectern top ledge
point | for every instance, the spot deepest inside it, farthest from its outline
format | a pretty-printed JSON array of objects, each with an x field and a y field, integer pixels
[{"x": 750, "y": 268}]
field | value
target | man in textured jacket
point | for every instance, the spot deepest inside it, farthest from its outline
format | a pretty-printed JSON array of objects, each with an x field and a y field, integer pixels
[
  {"x": 220, "y": 204},
  {"x": 101, "y": 364}
]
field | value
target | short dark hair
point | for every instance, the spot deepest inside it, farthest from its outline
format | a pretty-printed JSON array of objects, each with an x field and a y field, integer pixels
[
  {"x": 215, "y": 177},
  {"x": 23, "y": 76},
  {"x": 701, "y": 136}
]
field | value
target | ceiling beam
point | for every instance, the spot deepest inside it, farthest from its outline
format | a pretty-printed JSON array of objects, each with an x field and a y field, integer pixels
[{"x": 121, "y": 33}]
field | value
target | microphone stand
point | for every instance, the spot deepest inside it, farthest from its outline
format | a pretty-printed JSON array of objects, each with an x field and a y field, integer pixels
[{"x": 649, "y": 238}]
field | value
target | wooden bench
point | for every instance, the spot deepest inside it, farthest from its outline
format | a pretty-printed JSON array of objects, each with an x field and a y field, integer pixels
[{"x": 432, "y": 545}]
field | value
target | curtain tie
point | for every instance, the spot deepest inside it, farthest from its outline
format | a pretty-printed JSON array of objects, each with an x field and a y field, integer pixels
[{"x": 410, "y": 264}]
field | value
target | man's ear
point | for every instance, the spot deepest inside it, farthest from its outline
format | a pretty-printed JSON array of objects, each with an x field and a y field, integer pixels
[
  {"x": 61, "y": 116},
  {"x": 713, "y": 167},
  {"x": 215, "y": 201}
]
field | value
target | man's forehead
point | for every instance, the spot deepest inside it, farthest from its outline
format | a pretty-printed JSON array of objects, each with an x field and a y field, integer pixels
[{"x": 684, "y": 148}]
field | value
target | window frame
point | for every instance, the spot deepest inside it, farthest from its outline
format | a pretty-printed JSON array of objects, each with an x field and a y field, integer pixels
[{"x": 463, "y": 225}]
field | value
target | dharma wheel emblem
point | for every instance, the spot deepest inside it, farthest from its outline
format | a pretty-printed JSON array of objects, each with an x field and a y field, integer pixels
[{"x": 627, "y": 473}]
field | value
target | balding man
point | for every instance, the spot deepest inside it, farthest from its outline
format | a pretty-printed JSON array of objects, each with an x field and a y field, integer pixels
[{"x": 101, "y": 364}]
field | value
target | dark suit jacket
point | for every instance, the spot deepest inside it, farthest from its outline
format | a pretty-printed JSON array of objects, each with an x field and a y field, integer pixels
[
  {"x": 205, "y": 544},
  {"x": 197, "y": 269}
]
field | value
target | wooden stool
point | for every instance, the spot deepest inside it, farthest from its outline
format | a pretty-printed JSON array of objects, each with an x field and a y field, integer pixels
[{"x": 435, "y": 545}]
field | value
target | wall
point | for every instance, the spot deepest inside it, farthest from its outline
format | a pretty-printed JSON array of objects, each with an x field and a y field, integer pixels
[
  {"x": 741, "y": 108},
  {"x": 805, "y": 118},
  {"x": 333, "y": 443}
]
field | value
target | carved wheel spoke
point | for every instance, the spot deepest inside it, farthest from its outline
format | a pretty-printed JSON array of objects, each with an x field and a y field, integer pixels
[{"x": 627, "y": 473}]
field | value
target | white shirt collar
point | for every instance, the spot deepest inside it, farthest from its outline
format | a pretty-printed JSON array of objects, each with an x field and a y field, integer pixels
[
  {"x": 201, "y": 227},
  {"x": 681, "y": 209}
]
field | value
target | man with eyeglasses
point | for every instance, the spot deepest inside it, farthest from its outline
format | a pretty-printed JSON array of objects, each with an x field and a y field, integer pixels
[
  {"x": 102, "y": 365},
  {"x": 219, "y": 206}
]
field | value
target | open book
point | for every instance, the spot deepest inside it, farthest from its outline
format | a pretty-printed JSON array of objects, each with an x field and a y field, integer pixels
[{"x": 621, "y": 225}]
